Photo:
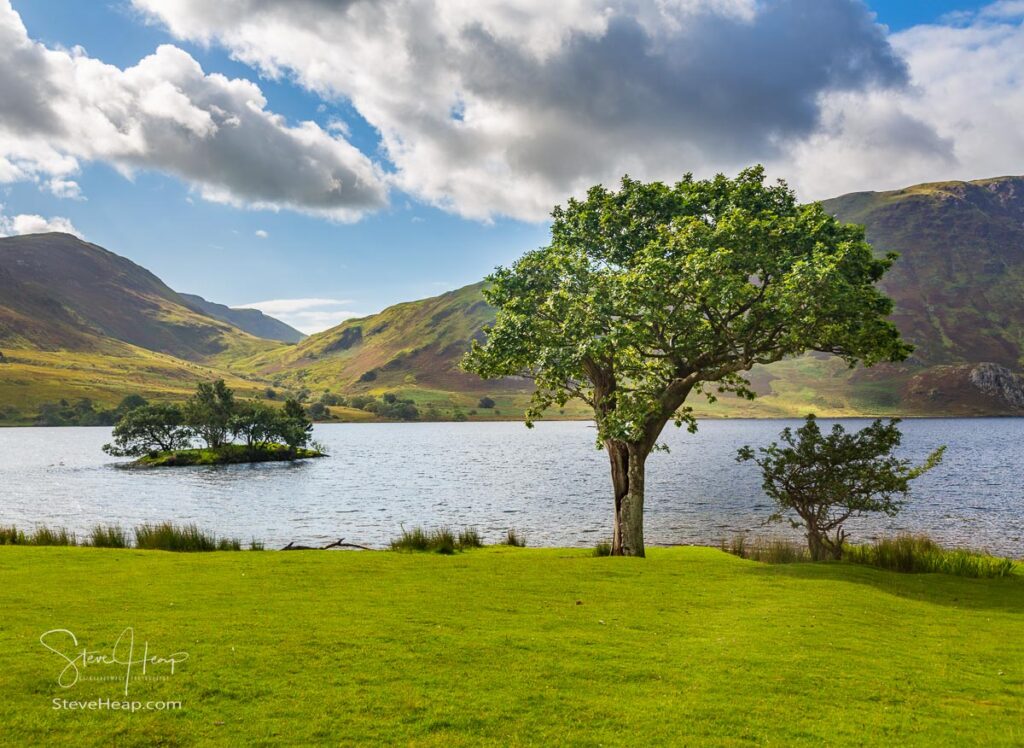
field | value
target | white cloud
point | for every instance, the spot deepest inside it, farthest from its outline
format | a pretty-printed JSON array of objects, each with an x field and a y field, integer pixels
[
  {"x": 505, "y": 107},
  {"x": 260, "y": 233},
  {"x": 307, "y": 315},
  {"x": 25, "y": 223},
  {"x": 59, "y": 108},
  {"x": 960, "y": 119}
]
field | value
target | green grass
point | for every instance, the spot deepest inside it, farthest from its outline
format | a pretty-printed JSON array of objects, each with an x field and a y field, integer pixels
[
  {"x": 441, "y": 540},
  {"x": 508, "y": 646}
]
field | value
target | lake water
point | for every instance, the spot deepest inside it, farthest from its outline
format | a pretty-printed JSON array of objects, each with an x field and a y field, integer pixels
[{"x": 548, "y": 483}]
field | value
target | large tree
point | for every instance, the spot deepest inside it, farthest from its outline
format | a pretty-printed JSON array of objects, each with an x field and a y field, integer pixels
[{"x": 651, "y": 293}]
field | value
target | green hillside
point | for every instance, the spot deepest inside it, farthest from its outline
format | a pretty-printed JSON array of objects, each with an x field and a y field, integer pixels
[
  {"x": 78, "y": 321},
  {"x": 958, "y": 286}
]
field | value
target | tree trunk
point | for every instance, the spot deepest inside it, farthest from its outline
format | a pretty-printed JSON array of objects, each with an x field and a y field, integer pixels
[{"x": 628, "y": 463}]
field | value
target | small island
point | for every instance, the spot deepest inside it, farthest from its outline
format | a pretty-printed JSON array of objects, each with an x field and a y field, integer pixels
[{"x": 228, "y": 431}]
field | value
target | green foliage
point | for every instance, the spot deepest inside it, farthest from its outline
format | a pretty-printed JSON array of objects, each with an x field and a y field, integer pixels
[
  {"x": 603, "y": 548},
  {"x": 654, "y": 292},
  {"x": 486, "y": 403},
  {"x": 826, "y": 479},
  {"x": 149, "y": 428},
  {"x": 921, "y": 555},
  {"x": 108, "y": 536},
  {"x": 130, "y": 402},
  {"x": 255, "y": 422},
  {"x": 209, "y": 412},
  {"x": 514, "y": 539},
  {"x": 294, "y": 427},
  {"x": 649, "y": 293},
  {"x": 167, "y": 536},
  {"x": 317, "y": 411},
  {"x": 80, "y": 413}
]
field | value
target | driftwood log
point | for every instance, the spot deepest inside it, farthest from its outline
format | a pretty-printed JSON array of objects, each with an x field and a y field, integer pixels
[{"x": 339, "y": 543}]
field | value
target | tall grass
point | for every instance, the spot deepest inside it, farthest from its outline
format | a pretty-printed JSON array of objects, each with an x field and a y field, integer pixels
[
  {"x": 55, "y": 536},
  {"x": 167, "y": 536},
  {"x": 109, "y": 536},
  {"x": 767, "y": 550},
  {"x": 919, "y": 554},
  {"x": 442, "y": 540},
  {"x": 603, "y": 548},
  {"x": 514, "y": 539},
  {"x": 12, "y": 536}
]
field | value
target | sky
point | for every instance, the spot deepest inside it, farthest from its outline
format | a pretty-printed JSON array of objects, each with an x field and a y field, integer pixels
[{"x": 322, "y": 159}]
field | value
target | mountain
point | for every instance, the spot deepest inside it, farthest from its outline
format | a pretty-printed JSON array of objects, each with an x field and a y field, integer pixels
[
  {"x": 415, "y": 345},
  {"x": 958, "y": 287},
  {"x": 252, "y": 321},
  {"x": 59, "y": 292},
  {"x": 77, "y": 321}
]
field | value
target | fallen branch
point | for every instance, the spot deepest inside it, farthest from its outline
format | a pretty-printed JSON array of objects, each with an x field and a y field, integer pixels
[{"x": 339, "y": 543}]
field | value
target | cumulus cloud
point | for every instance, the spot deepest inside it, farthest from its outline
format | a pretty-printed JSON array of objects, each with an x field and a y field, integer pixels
[
  {"x": 25, "y": 223},
  {"x": 959, "y": 119},
  {"x": 261, "y": 234},
  {"x": 59, "y": 108},
  {"x": 505, "y": 107},
  {"x": 307, "y": 315}
]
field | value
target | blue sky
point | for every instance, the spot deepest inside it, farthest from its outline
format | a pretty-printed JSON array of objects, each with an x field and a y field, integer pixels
[{"x": 428, "y": 237}]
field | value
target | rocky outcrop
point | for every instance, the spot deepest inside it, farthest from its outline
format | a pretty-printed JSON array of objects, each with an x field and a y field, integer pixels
[{"x": 998, "y": 381}]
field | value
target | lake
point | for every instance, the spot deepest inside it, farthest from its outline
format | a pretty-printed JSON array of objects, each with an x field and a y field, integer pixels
[{"x": 548, "y": 483}]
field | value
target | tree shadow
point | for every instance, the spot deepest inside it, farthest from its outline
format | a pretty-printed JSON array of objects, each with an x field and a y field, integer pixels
[{"x": 1005, "y": 594}]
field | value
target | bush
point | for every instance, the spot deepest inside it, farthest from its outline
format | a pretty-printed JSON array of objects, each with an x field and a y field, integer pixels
[
  {"x": 187, "y": 538},
  {"x": 110, "y": 536},
  {"x": 317, "y": 410},
  {"x": 603, "y": 549},
  {"x": 825, "y": 480},
  {"x": 513, "y": 539},
  {"x": 919, "y": 554},
  {"x": 368, "y": 376},
  {"x": 486, "y": 402}
]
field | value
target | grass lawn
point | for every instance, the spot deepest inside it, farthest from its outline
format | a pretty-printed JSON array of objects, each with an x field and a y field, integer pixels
[{"x": 512, "y": 646}]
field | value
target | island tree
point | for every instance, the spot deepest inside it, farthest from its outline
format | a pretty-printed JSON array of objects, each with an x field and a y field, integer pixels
[
  {"x": 825, "y": 479},
  {"x": 149, "y": 428},
  {"x": 652, "y": 293},
  {"x": 209, "y": 412}
]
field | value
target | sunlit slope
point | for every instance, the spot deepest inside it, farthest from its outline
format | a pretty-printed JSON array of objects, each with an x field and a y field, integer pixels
[
  {"x": 58, "y": 292},
  {"x": 958, "y": 286}
]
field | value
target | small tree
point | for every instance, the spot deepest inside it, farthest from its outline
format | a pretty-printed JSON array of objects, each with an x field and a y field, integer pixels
[
  {"x": 827, "y": 479},
  {"x": 293, "y": 425},
  {"x": 486, "y": 403},
  {"x": 209, "y": 413},
  {"x": 652, "y": 293},
  {"x": 149, "y": 428},
  {"x": 254, "y": 422}
]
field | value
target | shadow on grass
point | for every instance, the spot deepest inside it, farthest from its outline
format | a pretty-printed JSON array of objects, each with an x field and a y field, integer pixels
[{"x": 1005, "y": 594}]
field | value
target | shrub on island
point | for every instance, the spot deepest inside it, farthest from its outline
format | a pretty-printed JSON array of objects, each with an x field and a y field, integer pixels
[{"x": 231, "y": 431}]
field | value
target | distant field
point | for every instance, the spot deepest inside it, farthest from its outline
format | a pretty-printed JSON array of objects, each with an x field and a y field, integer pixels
[{"x": 513, "y": 646}]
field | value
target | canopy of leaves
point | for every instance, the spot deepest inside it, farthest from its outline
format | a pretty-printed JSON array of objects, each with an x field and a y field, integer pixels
[
  {"x": 149, "y": 428},
  {"x": 653, "y": 291}
]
